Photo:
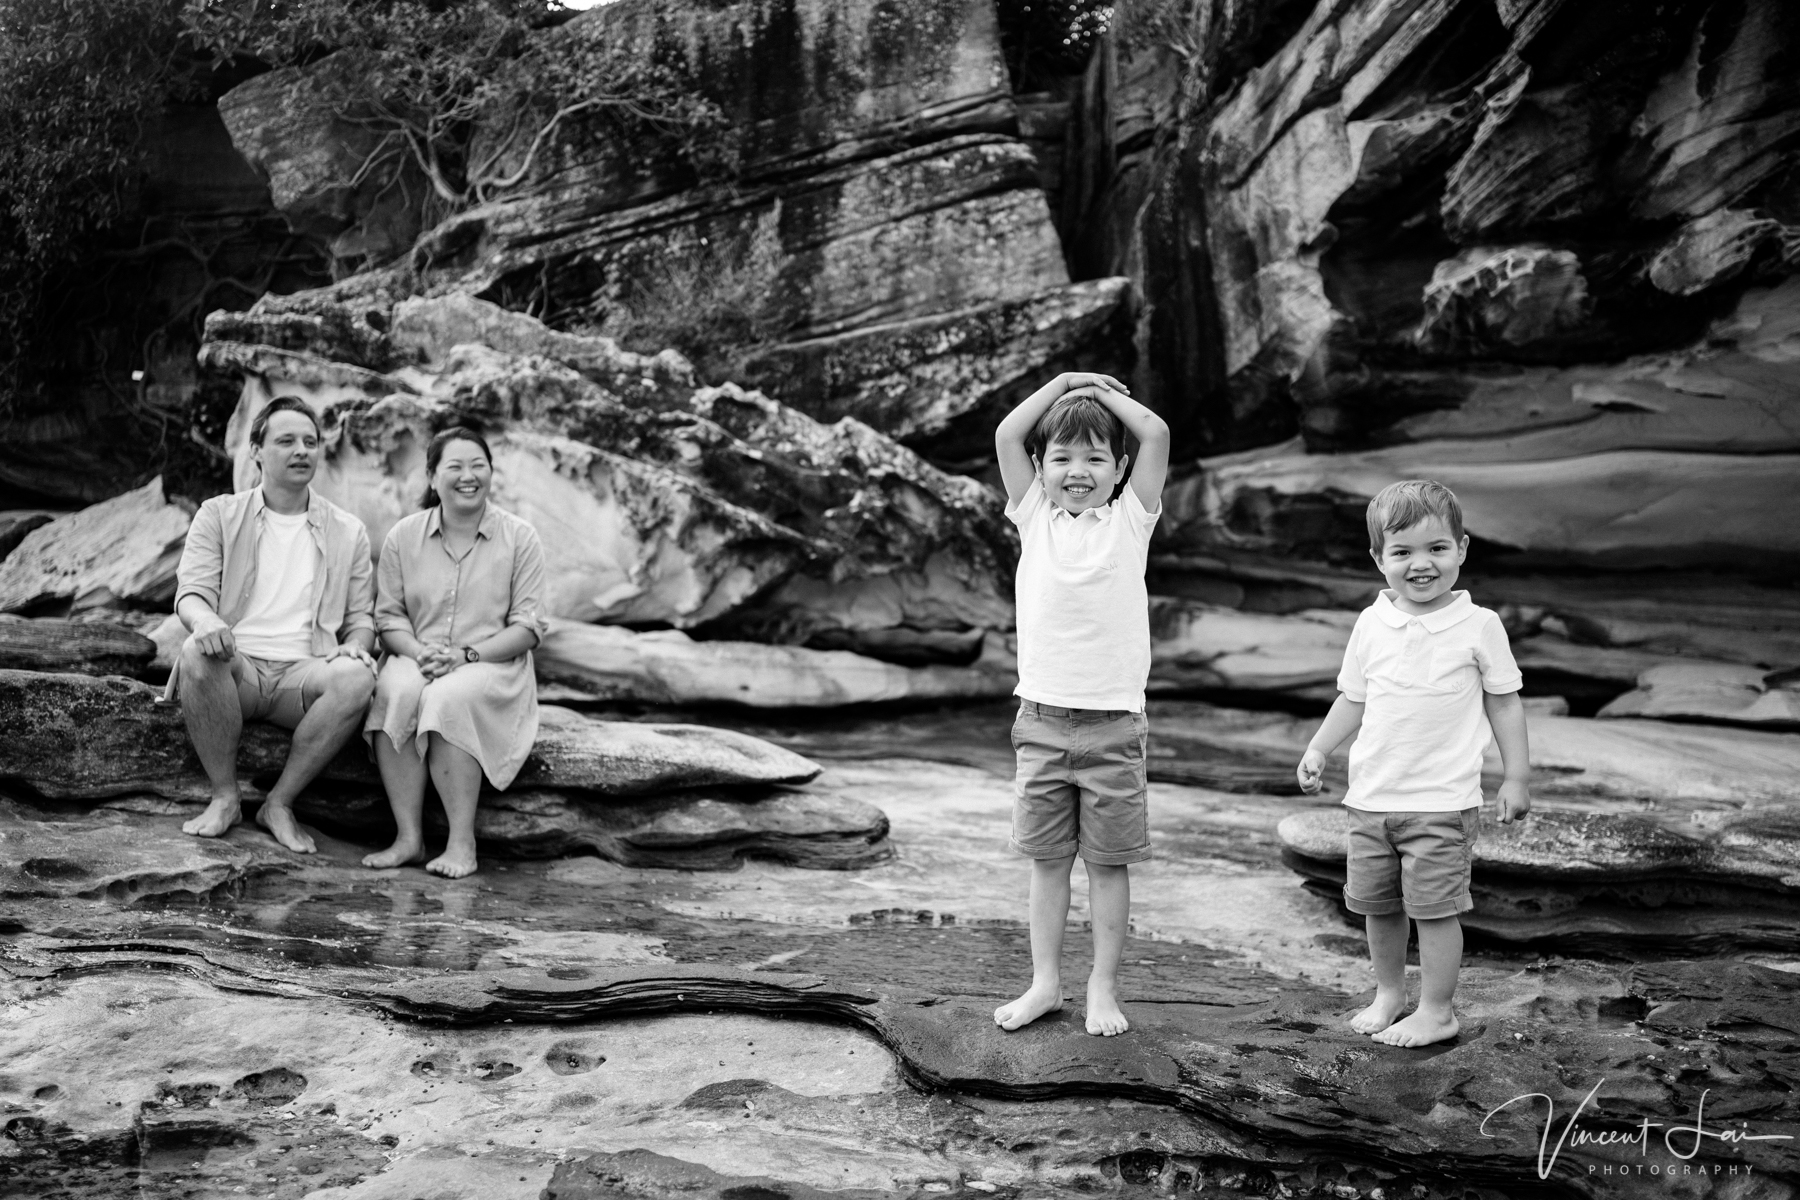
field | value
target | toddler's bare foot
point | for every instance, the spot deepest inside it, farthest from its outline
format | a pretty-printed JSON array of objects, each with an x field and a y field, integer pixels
[
  {"x": 1039, "y": 999},
  {"x": 1379, "y": 1015},
  {"x": 1104, "y": 1017},
  {"x": 224, "y": 812},
  {"x": 455, "y": 862},
  {"x": 278, "y": 819},
  {"x": 1421, "y": 1029},
  {"x": 403, "y": 851}
]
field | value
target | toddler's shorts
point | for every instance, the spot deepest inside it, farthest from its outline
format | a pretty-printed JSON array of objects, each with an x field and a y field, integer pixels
[
  {"x": 1080, "y": 784},
  {"x": 1411, "y": 862}
]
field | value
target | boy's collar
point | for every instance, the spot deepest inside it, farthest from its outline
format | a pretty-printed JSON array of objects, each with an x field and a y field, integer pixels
[{"x": 1436, "y": 621}]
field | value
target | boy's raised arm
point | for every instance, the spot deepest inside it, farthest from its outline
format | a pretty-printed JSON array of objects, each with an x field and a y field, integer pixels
[
  {"x": 1009, "y": 439},
  {"x": 1152, "y": 435}
]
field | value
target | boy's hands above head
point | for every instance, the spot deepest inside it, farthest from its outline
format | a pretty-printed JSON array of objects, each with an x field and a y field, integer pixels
[
  {"x": 1074, "y": 381},
  {"x": 1514, "y": 800},
  {"x": 1311, "y": 772}
]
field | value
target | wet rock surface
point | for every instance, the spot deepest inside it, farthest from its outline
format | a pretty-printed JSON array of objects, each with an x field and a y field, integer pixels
[{"x": 560, "y": 1024}]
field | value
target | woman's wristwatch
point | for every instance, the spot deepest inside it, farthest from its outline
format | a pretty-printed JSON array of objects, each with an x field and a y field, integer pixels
[{"x": 471, "y": 654}]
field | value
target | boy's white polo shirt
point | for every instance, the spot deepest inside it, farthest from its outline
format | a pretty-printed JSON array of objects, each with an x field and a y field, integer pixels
[
  {"x": 1421, "y": 679},
  {"x": 1083, "y": 612}
]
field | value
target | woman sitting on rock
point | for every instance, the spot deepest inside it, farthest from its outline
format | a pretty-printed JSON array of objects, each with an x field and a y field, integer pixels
[{"x": 459, "y": 608}]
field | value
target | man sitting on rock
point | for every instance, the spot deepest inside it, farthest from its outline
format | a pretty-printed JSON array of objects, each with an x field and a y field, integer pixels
[{"x": 276, "y": 589}]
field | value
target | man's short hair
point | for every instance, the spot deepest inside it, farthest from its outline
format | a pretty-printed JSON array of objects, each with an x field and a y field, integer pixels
[
  {"x": 1402, "y": 505},
  {"x": 259, "y": 428},
  {"x": 1074, "y": 421}
]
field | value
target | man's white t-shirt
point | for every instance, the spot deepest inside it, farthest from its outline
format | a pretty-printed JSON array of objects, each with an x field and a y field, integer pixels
[
  {"x": 1424, "y": 727},
  {"x": 277, "y": 622},
  {"x": 1083, "y": 612}
]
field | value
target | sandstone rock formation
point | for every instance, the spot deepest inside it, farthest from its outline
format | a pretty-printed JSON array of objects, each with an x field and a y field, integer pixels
[
  {"x": 882, "y": 231},
  {"x": 75, "y": 737},
  {"x": 123, "y": 549},
  {"x": 659, "y": 503},
  {"x": 607, "y": 663},
  {"x": 1602, "y": 882},
  {"x": 1722, "y": 692},
  {"x": 86, "y": 648}
]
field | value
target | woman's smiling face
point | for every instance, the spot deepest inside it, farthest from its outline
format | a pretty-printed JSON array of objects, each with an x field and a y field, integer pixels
[
  {"x": 1080, "y": 476},
  {"x": 463, "y": 475}
]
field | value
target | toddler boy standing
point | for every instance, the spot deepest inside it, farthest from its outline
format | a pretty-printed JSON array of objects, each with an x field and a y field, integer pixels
[
  {"x": 1084, "y": 654},
  {"x": 1423, "y": 665}
]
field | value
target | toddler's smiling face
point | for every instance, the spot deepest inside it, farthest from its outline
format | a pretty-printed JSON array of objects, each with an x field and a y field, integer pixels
[
  {"x": 1080, "y": 476},
  {"x": 1421, "y": 563}
]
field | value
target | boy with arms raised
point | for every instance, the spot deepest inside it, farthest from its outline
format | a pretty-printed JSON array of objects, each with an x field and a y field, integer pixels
[
  {"x": 1423, "y": 666},
  {"x": 1084, "y": 654}
]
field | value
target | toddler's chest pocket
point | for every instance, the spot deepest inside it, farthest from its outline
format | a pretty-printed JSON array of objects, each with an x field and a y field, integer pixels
[{"x": 1446, "y": 669}]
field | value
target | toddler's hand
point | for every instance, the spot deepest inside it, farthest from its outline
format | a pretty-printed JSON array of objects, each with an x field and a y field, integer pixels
[
  {"x": 1515, "y": 800},
  {"x": 1311, "y": 772},
  {"x": 1088, "y": 379}
]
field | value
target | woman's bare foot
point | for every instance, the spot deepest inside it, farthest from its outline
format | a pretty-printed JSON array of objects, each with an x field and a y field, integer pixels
[
  {"x": 455, "y": 862},
  {"x": 1421, "y": 1029},
  {"x": 1038, "y": 999},
  {"x": 1384, "y": 1011},
  {"x": 403, "y": 851},
  {"x": 225, "y": 811},
  {"x": 1104, "y": 1016},
  {"x": 278, "y": 819}
]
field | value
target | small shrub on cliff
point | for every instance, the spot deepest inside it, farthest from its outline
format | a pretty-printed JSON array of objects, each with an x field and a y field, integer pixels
[{"x": 428, "y": 70}]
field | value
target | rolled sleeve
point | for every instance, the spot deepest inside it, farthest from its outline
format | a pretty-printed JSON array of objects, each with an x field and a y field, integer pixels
[
  {"x": 202, "y": 568},
  {"x": 390, "y": 591},
  {"x": 1493, "y": 655},
  {"x": 1351, "y": 681},
  {"x": 527, "y": 605},
  {"x": 359, "y": 599}
]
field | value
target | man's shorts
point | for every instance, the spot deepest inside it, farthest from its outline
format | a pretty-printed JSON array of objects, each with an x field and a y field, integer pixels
[
  {"x": 278, "y": 692},
  {"x": 1080, "y": 784},
  {"x": 1411, "y": 862}
]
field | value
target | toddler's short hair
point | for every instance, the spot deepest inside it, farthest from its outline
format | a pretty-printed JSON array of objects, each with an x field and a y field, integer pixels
[
  {"x": 1076, "y": 419},
  {"x": 1402, "y": 505}
]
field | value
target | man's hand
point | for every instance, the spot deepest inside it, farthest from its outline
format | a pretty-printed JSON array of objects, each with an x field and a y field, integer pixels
[
  {"x": 214, "y": 637},
  {"x": 352, "y": 650},
  {"x": 1311, "y": 772},
  {"x": 1515, "y": 800}
]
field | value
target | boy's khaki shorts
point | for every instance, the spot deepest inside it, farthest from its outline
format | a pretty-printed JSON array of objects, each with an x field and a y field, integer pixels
[
  {"x": 1411, "y": 862},
  {"x": 1080, "y": 784}
]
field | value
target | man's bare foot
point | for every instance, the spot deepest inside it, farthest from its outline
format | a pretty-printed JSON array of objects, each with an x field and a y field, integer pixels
[
  {"x": 1104, "y": 1017},
  {"x": 278, "y": 819},
  {"x": 403, "y": 851},
  {"x": 454, "y": 862},
  {"x": 1037, "y": 1000},
  {"x": 1384, "y": 1011},
  {"x": 1421, "y": 1029},
  {"x": 224, "y": 812}
]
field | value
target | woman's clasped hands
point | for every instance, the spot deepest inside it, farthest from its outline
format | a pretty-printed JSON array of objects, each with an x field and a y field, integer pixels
[{"x": 439, "y": 659}]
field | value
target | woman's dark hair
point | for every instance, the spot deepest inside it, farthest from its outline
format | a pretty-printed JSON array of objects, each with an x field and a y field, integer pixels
[
  {"x": 259, "y": 428},
  {"x": 434, "y": 454}
]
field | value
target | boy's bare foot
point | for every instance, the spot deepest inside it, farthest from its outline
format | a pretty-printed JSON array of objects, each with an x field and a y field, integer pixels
[
  {"x": 1385, "y": 1010},
  {"x": 1037, "y": 1000},
  {"x": 1420, "y": 1029},
  {"x": 399, "y": 854},
  {"x": 225, "y": 811},
  {"x": 278, "y": 819},
  {"x": 1104, "y": 1017},
  {"x": 454, "y": 862}
]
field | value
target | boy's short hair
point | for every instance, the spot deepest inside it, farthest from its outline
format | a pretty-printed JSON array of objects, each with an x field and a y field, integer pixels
[
  {"x": 259, "y": 428},
  {"x": 1073, "y": 420},
  {"x": 1402, "y": 505}
]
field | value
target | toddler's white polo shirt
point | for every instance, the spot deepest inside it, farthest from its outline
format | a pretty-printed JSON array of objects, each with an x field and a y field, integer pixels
[
  {"x": 1423, "y": 727},
  {"x": 1083, "y": 612}
]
